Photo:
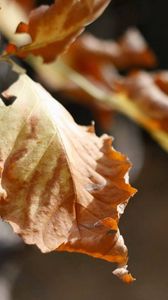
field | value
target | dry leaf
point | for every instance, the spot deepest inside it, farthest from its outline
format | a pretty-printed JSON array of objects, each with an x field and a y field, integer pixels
[
  {"x": 98, "y": 59},
  {"x": 53, "y": 28},
  {"x": 129, "y": 51},
  {"x": 140, "y": 87},
  {"x": 62, "y": 187},
  {"x": 134, "y": 51}
]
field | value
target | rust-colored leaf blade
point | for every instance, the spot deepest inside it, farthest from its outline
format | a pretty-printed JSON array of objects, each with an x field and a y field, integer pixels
[
  {"x": 53, "y": 28},
  {"x": 62, "y": 187}
]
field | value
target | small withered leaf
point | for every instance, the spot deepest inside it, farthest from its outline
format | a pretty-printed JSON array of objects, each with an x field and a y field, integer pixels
[
  {"x": 129, "y": 51},
  {"x": 148, "y": 93}
]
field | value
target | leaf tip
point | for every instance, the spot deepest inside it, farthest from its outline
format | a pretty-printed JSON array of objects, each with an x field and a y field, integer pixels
[{"x": 123, "y": 274}]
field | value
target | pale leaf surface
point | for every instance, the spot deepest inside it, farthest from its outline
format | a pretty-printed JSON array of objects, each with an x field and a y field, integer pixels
[{"x": 62, "y": 187}]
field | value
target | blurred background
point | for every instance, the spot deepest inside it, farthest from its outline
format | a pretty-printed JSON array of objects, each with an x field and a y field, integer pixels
[{"x": 26, "y": 274}]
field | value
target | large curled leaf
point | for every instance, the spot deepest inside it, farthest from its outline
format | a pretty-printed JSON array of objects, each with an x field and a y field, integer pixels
[
  {"x": 62, "y": 187},
  {"x": 53, "y": 28}
]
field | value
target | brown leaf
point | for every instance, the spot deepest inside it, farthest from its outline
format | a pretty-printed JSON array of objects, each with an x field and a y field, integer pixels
[
  {"x": 62, "y": 187},
  {"x": 130, "y": 51},
  {"x": 134, "y": 51},
  {"x": 98, "y": 59},
  {"x": 141, "y": 88},
  {"x": 53, "y": 28}
]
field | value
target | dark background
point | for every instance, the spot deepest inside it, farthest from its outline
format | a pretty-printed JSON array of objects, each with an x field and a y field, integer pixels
[
  {"x": 150, "y": 16},
  {"x": 26, "y": 274}
]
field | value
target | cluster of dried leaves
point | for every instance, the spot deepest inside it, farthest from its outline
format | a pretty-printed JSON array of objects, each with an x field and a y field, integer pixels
[
  {"x": 89, "y": 71},
  {"x": 141, "y": 95},
  {"x": 62, "y": 187}
]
